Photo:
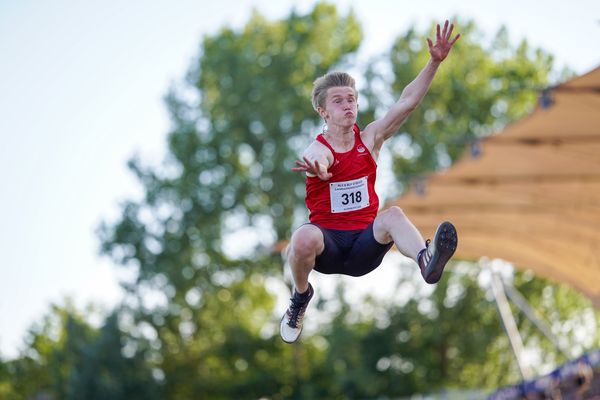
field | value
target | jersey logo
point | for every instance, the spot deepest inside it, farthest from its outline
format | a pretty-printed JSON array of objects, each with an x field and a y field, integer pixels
[{"x": 361, "y": 149}]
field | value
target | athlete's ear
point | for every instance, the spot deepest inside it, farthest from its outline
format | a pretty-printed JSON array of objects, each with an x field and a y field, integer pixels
[{"x": 322, "y": 112}]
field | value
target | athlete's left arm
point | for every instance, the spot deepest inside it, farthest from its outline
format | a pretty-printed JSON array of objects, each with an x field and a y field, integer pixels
[{"x": 380, "y": 130}]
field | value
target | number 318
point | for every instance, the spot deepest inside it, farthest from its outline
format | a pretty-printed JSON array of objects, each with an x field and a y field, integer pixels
[{"x": 352, "y": 197}]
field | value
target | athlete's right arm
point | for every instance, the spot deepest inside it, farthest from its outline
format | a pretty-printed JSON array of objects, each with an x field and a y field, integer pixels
[{"x": 317, "y": 160}]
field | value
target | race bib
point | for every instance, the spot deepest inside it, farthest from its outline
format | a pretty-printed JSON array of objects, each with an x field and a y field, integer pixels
[{"x": 349, "y": 195}]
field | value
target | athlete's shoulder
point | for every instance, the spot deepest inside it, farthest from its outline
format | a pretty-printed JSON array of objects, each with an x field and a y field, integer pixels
[
  {"x": 368, "y": 136},
  {"x": 318, "y": 143},
  {"x": 318, "y": 148}
]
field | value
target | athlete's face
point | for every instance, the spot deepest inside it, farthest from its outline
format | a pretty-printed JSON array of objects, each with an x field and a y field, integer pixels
[{"x": 340, "y": 106}]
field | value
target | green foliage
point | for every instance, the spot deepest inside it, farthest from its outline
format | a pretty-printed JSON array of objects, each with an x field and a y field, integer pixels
[
  {"x": 200, "y": 320},
  {"x": 478, "y": 90},
  {"x": 67, "y": 358},
  {"x": 231, "y": 148},
  {"x": 573, "y": 319},
  {"x": 429, "y": 344},
  {"x": 239, "y": 122}
]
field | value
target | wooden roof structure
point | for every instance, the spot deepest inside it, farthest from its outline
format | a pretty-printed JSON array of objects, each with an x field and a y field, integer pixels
[{"x": 532, "y": 195}]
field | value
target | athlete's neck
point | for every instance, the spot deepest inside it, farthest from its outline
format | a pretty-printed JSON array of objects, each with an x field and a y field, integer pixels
[{"x": 340, "y": 138}]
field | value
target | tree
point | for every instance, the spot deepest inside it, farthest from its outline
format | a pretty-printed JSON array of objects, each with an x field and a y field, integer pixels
[
  {"x": 66, "y": 358},
  {"x": 239, "y": 121},
  {"x": 199, "y": 319},
  {"x": 477, "y": 91}
]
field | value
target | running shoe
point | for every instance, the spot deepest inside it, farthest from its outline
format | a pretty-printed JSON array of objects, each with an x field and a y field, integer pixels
[
  {"x": 291, "y": 322},
  {"x": 435, "y": 255}
]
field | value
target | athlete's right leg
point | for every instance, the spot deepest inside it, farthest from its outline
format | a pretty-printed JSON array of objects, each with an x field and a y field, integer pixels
[{"x": 306, "y": 244}]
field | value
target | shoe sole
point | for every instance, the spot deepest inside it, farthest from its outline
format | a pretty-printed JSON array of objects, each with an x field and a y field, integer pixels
[{"x": 445, "y": 242}]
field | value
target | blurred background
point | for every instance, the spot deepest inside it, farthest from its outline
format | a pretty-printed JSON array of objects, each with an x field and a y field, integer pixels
[{"x": 145, "y": 160}]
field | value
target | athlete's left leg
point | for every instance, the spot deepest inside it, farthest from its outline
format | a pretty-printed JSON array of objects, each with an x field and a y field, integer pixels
[{"x": 393, "y": 224}]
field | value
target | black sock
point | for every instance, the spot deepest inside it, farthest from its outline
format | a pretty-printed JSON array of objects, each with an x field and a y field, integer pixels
[{"x": 302, "y": 296}]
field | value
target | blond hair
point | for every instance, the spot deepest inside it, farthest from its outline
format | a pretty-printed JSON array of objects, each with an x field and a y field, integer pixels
[{"x": 329, "y": 80}]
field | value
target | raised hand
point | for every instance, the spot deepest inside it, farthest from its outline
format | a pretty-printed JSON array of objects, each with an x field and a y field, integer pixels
[
  {"x": 439, "y": 51},
  {"x": 312, "y": 168}
]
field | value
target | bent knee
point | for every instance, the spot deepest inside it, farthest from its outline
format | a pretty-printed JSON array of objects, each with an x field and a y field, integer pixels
[
  {"x": 385, "y": 223},
  {"x": 393, "y": 215},
  {"x": 396, "y": 212},
  {"x": 307, "y": 241}
]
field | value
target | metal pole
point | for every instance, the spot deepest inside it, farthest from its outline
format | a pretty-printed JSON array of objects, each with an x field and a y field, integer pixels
[
  {"x": 520, "y": 301},
  {"x": 510, "y": 325}
]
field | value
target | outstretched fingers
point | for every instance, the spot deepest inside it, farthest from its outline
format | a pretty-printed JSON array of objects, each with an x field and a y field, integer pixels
[
  {"x": 301, "y": 166},
  {"x": 454, "y": 40},
  {"x": 449, "y": 32},
  {"x": 318, "y": 170},
  {"x": 449, "y": 35},
  {"x": 313, "y": 168},
  {"x": 443, "y": 35},
  {"x": 322, "y": 173}
]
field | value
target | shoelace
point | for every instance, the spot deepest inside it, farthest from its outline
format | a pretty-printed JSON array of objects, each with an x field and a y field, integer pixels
[{"x": 294, "y": 312}]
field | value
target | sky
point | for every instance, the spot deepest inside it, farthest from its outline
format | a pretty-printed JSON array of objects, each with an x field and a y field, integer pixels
[{"x": 81, "y": 92}]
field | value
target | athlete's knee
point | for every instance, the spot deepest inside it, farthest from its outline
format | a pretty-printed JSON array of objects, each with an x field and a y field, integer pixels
[
  {"x": 396, "y": 212},
  {"x": 386, "y": 222},
  {"x": 393, "y": 215},
  {"x": 306, "y": 241}
]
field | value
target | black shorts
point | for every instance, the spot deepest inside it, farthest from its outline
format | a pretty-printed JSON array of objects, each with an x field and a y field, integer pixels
[{"x": 353, "y": 253}]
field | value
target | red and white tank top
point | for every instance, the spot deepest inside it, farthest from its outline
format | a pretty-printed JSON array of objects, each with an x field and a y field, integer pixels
[{"x": 348, "y": 200}]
